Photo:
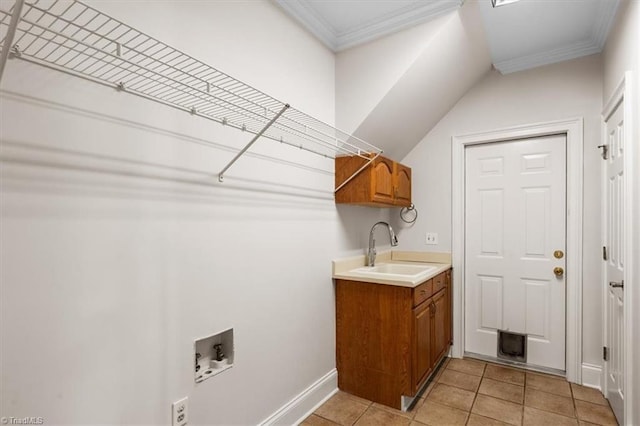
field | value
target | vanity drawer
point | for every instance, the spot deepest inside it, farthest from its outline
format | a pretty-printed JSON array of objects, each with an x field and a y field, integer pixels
[
  {"x": 422, "y": 292},
  {"x": 439, "y": 282}
]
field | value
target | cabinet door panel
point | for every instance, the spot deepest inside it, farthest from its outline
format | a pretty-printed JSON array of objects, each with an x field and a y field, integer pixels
[
  {"x": 440, "y": 314},
  {"x": 402, "y": 184},
  {"x": 422, "y": 361},
  {"x": 382, "y": 181}
]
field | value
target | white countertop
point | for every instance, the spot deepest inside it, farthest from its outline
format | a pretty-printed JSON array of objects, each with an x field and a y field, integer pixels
[{"x": 353, "y": 268}]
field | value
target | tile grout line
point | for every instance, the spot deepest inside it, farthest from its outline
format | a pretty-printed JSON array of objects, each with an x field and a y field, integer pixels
[
  {"x": 506, "y": 382},
  {"x": 412, "y": 415},
  {"x": 573, "y": 399},
  {"x": 484, "y": 368},
  {"x": 524, "y": 397},
  {"x": 458, "y": 386},
  {"x": 363, "y": 413},
  {"x": 322, "y": 417}
]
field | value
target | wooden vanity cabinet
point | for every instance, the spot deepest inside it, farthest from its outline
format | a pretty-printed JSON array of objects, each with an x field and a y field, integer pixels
[
  {"x": 423, "y": 324},
  {"x": 439, "y": 340},
  {"x": 384, "y": 183},
  {"x": 390, "y": 338}
]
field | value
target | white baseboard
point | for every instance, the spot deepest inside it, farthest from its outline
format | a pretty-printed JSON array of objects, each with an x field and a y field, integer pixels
[
  {"x": 300, "y": 407},
  {"x": 591, "y": 376}
]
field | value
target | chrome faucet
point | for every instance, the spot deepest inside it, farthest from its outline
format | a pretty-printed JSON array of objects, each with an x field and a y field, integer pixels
[{"x": 371, "y": 254}]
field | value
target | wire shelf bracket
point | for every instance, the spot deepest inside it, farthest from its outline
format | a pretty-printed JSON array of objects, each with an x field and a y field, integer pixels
[
  {"x": 72, "y": 37},
  {"x": 11, "y": 32},
  {"x": 251, "y": 142}
]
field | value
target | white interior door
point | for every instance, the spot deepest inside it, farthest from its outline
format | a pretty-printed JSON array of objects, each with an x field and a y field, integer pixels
[
  {"x": 614, "y": 270},
  {"x": 515, "y": 219}
]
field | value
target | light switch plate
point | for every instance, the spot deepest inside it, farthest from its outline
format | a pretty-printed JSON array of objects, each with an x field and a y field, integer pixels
[{"x": 431, "y": 238}]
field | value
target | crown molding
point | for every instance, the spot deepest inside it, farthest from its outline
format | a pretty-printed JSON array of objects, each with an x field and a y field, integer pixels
[
  {"x": 381, "y": 26},
  {"x": 607, "y": 14},
  {"x": 595, "y": 44},
  {"x": 309, "y": 19},
  {"x": 547, "y": 57},
  {"x": 395, "y": 21}
]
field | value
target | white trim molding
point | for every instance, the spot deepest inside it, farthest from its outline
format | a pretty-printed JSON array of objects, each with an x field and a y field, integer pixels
[
  {"x": 592, "y": 376},
  {"x": 396, "y": 20},
  {"x": 626, "y": 91},
  {"x": 594, "y": 43},
  {"x": 305, "y": 403},
  {"x": 573, "y": 128},
  {"x": 547, "y": 57}
]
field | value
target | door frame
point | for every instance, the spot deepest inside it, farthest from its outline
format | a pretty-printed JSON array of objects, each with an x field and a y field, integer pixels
[
  {"x": 573, "y": 129},
  {"x": 623, "y": 92}
]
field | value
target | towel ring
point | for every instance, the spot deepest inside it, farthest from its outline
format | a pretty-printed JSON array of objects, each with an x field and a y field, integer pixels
[{"x": 409, "y": 214}]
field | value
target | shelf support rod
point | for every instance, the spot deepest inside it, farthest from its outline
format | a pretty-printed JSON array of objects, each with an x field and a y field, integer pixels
[
  {"x": 357, "y": 172},
  {"x": 255, "y": 138},
  {"x": 11, "y": 32}
]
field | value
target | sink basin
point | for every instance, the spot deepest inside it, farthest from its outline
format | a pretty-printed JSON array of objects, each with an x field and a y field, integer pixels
[{"x": 395, "y": 271}]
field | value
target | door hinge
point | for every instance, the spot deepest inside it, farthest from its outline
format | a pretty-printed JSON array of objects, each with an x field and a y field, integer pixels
[
  {"x": 604, "y": 253},
  {"x": 605, "y": 353},
  {"x": 605, "y": 151}
]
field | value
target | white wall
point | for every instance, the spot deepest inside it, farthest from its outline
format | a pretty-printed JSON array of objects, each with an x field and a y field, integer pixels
[
  {"x": 554, "y": 92},
  {"x": 621, "y": 54},
  {"x": 621, "y": 50},
  {"x": 119, "y": 247},
  {"x": 365, "y": 73},
  {"x": 404, "y": 106}
]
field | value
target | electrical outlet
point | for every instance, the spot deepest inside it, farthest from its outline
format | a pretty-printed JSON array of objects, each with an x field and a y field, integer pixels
[
  {"x": 180, "y": 412},
  {"x": 431, "y": 238}
]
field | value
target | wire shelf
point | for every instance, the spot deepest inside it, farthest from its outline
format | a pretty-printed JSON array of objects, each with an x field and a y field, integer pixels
[{"x": 69, "y": 36}]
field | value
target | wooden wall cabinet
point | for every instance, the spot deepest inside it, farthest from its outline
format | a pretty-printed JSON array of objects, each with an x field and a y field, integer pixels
[
  {"x": 384, "y": 183},
  {"x": 389, "y": 339}
]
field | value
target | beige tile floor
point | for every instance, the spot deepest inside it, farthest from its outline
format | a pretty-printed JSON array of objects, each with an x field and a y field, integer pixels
[{"x": 475, "y": 393}]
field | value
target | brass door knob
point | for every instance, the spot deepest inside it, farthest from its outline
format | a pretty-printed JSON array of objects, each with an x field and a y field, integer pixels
[{"x": 558, "y": 271}]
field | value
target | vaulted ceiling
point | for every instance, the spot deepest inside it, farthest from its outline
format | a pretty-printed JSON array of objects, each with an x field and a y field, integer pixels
[
  {"x": 401, "y": 65},
  {"x": 393, "y": 92},
  {"x": 521, "y": 35},
  {"x": 532, "y": 33}
]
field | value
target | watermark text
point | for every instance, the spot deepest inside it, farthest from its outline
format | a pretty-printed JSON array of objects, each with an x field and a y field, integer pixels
[{"x": 22, "y": 420}]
